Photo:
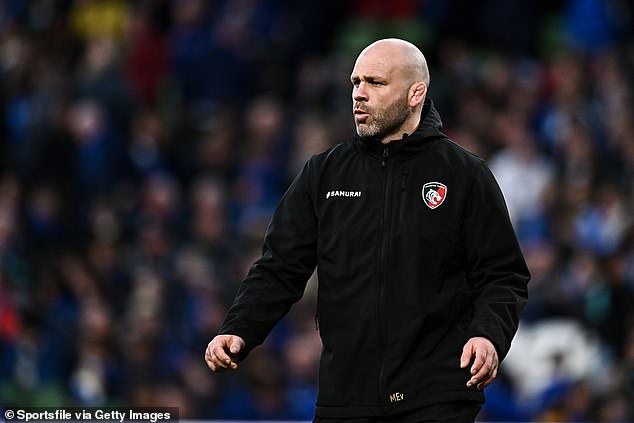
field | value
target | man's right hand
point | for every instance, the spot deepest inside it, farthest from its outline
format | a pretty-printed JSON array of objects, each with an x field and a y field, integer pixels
[{"x": 221, "y": 351}]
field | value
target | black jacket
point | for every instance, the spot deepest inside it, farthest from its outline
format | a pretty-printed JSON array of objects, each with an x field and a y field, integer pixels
[{"x": 415, "y": 254}]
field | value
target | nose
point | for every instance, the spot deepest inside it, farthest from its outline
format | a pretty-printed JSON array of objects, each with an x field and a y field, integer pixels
[{"x": 359, "y": 92}]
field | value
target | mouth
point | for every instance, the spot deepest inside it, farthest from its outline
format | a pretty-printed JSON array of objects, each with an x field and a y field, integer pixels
[{"x": 360, "y": 115}]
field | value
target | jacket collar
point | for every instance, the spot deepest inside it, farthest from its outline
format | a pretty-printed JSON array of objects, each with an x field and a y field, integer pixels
[{"x": 430, "y": 128}]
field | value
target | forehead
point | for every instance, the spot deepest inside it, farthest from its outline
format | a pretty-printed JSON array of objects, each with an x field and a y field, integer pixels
[{"x": 375, "y": 63}]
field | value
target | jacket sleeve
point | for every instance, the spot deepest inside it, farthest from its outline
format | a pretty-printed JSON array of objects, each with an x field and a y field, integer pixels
[
  {"x": 495, "y": 263},
  {"x": 278, "y": 278}
]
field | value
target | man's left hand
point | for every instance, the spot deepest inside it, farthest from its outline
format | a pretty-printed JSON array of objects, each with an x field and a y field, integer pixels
[{"x": 485, "y": 365}]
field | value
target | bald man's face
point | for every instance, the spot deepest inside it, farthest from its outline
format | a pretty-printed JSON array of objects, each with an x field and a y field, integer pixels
[{"x": 380, "y": 86}]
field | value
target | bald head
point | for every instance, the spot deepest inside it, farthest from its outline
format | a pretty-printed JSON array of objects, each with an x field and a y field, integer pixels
[{"x": 403, "y": 55}]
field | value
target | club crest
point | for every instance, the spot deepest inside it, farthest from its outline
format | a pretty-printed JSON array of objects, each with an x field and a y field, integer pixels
[{"x": 434, "y": 193}]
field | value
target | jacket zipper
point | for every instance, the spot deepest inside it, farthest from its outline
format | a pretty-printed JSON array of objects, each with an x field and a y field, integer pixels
[{"x": 382, "y": 269}]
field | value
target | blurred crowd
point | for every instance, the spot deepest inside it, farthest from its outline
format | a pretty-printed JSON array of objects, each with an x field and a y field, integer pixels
[{"x": 144, "y": 145}]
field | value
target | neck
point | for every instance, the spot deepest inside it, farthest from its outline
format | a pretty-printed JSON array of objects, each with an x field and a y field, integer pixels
[{"x": 406, "y": 129}]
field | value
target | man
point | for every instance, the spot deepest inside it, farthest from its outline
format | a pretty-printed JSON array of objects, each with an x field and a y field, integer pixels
[{"x": 421, "y": 279}]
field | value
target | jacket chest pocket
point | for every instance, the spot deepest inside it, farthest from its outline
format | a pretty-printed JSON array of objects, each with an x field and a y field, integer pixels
[{"x": 425, "y": 212}]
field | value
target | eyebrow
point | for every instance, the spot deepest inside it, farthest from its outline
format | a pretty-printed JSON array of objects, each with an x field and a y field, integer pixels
[{"x": 369, "y": 78}]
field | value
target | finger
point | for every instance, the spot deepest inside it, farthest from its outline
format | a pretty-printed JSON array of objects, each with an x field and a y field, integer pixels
[
  {"x": 214, "y": 362},
  {"x": 220, "y": 365},
  {"x": 480, "y": 358},
  {"x": 487, "y": 372},
  {"x": 235, "y": 345},
  {"x": 219, "y": 350},
  {"x": 211, "y": 362},
  {"x": 225, "y": 361},
  {"x": 483, "y": 374},
  {"x": 467, "y": 353},
  {"x": 229, "y": 364},
  {"x": 489, "y": 380},
  {"x": 208, "y": 358}
]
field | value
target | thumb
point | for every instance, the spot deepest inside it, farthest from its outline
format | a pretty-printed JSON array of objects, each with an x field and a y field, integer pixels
[
  {"x": 465, "y": 358},
  {"x": 236, "y": 345}
]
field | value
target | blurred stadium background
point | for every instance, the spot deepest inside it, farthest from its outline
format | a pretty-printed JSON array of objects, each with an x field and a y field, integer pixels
[{"x": 144, "y": 145}]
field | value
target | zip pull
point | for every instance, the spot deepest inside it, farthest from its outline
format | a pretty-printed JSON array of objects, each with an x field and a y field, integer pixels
[
  {"x": 317, "y": 322},
  {"x": 385, "y": 152},
  {"x": 404, "y": 181}
]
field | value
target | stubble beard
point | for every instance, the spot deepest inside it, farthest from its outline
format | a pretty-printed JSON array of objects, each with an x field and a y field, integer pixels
[{"x": 384, "y": 123}]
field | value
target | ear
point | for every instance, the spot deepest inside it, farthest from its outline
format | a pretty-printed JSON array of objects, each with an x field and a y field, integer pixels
[{"x": 417, "y": 93}]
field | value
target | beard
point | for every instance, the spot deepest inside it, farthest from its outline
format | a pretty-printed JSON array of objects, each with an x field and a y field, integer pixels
[{"x": 384, "y": 122}]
